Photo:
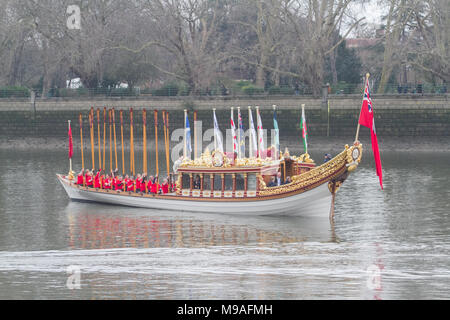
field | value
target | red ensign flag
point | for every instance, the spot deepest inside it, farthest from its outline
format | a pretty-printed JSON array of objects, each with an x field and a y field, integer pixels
[
  {"x": 366, "y": 119},
  {"x": 70, "y": 143}
]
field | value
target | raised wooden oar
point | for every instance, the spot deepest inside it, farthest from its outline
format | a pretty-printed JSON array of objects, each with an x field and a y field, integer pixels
[
  {"x": 98, "y": 134},
  {"x": 165, "y": 138},
  {"x": 167, "y": 145},
  {"x": 91, "y": 124},
  {"x": 115, "y": 144},
  {"x": 131, "y": 143},
  {"x": 144, "y": 141},
  {"x": 104, "y": 138},
  {"x": 110, "y": 139},
  {"x": 121, "y": 136},
  {"x": 155, "y": 113},
  {"x": 81, "y": 140}
]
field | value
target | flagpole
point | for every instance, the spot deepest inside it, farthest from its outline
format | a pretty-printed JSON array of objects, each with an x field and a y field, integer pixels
[{"x": 357, "y": 129}]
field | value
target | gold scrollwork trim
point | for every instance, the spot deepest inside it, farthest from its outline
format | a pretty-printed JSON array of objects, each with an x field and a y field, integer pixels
[{"x": 313, "y": 176}]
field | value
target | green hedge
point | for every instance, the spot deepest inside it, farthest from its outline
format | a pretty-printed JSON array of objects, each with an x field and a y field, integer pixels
[{"x": 14, "y": 92}]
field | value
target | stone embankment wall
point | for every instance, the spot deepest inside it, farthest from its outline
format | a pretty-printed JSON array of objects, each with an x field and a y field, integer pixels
[{"x": 400, "y": 116}]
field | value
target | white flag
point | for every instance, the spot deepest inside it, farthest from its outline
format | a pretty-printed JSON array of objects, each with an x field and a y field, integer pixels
[
  {"x": 254, "y": 144},
  {"x": 261, "y": 147},
  {"x": 217, "y": 134}
]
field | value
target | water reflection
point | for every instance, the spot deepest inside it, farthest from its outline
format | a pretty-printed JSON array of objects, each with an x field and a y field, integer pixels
[{"x": 105, "y": 227}]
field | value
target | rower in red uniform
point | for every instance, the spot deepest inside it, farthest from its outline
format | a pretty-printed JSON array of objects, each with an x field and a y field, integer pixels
[
  {"x": 107, "y": 183},
  {"x": 143, "y": 184},
  {"x": 138, "y": 183},
  {"x": 165, "y": 187},
  {"x": 150, "y": 184},
  {"x": 154, "y": 187},
  {"x": 130, "y": 185},
  {"x": 89, "y": 180},
  {"x": 97, "y": 180},
  {"x": 125, "y": 182},
  {"x": 80, "y": 179},
  {"x": 118, "y": 183}
]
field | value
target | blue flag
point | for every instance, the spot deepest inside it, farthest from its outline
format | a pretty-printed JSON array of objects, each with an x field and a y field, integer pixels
[{"x": 188, "y": 135}]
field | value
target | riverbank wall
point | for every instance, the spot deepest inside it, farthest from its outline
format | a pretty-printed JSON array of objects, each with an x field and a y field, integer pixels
[{"x": 395, "y": 115}]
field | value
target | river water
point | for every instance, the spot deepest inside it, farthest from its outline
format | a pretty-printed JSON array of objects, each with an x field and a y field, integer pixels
[{"x": 391, "y": 244}]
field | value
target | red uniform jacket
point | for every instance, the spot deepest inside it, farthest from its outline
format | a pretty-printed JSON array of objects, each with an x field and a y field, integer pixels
[
  {"x": 149, "y": 185},
  {"x": 118, "y": 184},
  {"x": 142, "y": 189},
  {"x": 154, "y": 188},
  {"x": 107, "y": 183},
  {"x": 97, "y": 180},
  {"x": 130, "y": 185},
  {"x": 89, "y": 180},
  {"x": 165, "y": 188},
  {"x": 80, "y": 179},
  {"x": 138, "y": 184}
]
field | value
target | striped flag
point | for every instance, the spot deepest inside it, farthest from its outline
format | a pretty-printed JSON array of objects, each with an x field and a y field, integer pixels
[
  {"x": 233, "y": 133},
  {"x": 304, "y": 130}
]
